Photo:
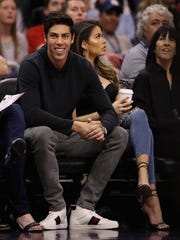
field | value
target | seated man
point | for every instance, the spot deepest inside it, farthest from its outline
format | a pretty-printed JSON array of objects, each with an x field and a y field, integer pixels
[{"x": 54, "y": 78}]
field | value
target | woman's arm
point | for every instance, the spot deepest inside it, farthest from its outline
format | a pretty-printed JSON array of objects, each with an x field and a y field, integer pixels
[{"x": 84, "y": 118}]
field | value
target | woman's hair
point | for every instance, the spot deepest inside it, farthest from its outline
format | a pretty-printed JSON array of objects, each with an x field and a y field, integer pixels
[
  {"x": 83, "y": 32},
  {"x": 155, "y": 8},
  {"x": 14, "y": 36},
  {"x": 55, "y": 18},
  {"x": 151, "y": 56}
]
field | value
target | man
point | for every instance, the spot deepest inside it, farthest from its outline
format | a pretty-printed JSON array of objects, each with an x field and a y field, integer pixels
[
  {"x": 76, "y": 9},
  {"x": 54, "y": 78},
  {"x": 152, "y": 18},
  {"x": 35, "y": 34}
]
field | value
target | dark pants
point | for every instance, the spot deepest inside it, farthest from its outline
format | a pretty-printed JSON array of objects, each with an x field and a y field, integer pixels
[{"x": 12, "y": 126}]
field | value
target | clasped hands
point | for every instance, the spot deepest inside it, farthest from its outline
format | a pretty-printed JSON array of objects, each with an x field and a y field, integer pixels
[{"x": 89, "y": 130}]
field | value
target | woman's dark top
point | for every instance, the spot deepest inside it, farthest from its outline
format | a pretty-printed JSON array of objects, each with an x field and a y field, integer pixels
[{"x": 162, "y": 105}]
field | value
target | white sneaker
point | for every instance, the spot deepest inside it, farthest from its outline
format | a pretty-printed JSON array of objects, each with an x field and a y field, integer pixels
[
  {"x": 82, "y": 218},
  {"x": 55, "y": 220}
]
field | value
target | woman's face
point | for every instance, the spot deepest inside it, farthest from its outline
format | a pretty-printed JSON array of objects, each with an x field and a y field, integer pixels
[
  {"x": 7, "y": 12},
  {"x": 165, "y": 49},
  {"x": 96, "y": 44}
]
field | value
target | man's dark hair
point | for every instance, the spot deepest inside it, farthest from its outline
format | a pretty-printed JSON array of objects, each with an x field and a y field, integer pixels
[{"x": 55, "y": 18}]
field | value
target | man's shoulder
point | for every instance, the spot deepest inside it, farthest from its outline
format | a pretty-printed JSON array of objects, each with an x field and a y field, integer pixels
[
  {"x": 79, "y": 61},
  {"x": 34, "y": 58},
  {"x": 135, "y": 51}
]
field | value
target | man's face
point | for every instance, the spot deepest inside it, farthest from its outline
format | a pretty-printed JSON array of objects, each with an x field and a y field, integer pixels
[
  {"x": 59, "y": 40},
  {"x": 53, "y": 6},
  {"x": 154, "y": 22},
  {"x": 76, "y": 10},
  {"x": 109, "y": 21}
]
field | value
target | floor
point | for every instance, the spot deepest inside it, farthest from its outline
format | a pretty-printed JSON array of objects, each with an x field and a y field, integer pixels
[{"x": 91, "y": 235}]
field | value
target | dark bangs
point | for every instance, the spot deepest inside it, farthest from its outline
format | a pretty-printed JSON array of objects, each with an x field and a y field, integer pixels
[{"x": 162, "y": 31}]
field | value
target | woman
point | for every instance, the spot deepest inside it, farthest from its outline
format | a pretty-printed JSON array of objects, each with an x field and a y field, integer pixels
[
  {"x": 157, "y": 91},
  {"x": 89, "y": 42},
  {"x": 12, "y": 150},
  {"x": 13, "y": 45}
]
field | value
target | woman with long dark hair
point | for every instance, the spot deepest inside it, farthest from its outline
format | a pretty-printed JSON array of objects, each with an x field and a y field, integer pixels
[
  {"x": 90, "y": 43},
  {"x": 156, "y": 90}
]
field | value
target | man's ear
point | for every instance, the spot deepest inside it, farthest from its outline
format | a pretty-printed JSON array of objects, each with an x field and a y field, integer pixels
[{"x": 45, "y": 39}]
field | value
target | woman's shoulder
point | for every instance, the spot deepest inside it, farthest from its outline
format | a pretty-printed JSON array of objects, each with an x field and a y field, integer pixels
[{"x": 144, "y": 74}]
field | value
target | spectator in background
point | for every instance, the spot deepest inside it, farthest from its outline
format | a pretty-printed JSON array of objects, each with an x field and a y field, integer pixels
[
  {"x": 13, "y": 45},
  {"x": 76, "y": 9},
  {"x": 109, "y": 17},
  {"x": 156, "y": 90},
  {"x": 152, "y": 18},
  {"x": 35, "y": 34},
  {"x": 127, "y": 24}
]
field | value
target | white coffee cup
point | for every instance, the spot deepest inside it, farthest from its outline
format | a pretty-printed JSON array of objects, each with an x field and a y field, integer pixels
[{"x": 126, "y": 93}]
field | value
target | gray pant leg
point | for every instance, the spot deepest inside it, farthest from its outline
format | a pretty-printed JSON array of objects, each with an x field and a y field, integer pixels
[
  {"x": 42, "y": 142},
  {"x": 103, "y": 168}
]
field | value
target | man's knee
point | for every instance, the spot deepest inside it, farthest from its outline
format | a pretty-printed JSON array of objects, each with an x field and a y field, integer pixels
[
  {"x": 120, "y": 135},
  {"x": 41, "y": 135}
]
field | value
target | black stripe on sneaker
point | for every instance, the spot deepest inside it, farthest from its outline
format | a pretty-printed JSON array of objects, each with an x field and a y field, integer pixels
[
  {"x": 94, "y": 221},
  {"x": 58, "y": 220}
]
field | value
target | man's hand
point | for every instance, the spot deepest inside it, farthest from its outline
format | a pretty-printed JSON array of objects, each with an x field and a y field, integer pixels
[{"x": 91, "y": 130}]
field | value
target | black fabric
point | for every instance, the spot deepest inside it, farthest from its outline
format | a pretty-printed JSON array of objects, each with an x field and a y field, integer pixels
[
  {"x": 51, "y": 95},
  {"x": 162, "y": 105}
]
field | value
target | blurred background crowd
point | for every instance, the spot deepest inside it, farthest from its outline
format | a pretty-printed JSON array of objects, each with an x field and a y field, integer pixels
[{"x": 21, "y": 24}]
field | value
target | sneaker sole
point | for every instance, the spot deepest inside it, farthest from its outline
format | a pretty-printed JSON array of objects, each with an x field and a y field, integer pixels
[
  {"x": 93, "y": 227},
  {"x": 54, "y": 227}
]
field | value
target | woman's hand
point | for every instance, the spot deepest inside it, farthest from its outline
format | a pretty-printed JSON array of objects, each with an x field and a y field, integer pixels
[{"x": 122, "y": 106}]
